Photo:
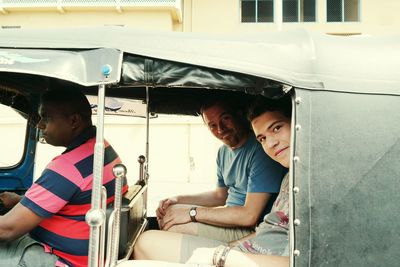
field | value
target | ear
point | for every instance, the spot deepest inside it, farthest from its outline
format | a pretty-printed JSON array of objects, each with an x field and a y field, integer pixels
[{"x": 75, "y": 121}]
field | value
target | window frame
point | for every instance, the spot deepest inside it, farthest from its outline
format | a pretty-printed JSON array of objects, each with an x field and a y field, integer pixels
[
  {"x": 256, "y": 19},
  {"x": 343, "y": 13},
  {"x": 300, "y": 8}
]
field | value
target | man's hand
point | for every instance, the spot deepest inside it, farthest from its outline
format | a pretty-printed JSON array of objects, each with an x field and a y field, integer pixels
[
  {"x": 202, "y": 256},
  {"x": 163, "y": 206},
  {"x": 9, "y": 199},
  {"x": 175, "y": 214}
]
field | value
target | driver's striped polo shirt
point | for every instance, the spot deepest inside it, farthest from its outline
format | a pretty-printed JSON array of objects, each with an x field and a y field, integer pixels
[{"x": 62, "y": 196}]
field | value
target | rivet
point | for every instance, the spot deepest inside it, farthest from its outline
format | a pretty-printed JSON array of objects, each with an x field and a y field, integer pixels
[
  {"x": 298, "y": 127},
  {"x": 296, "y": 252},
  {"x": 296, "y": 159},
  {"x": 296, "y": 222},
  {"x": 106, "y": 70},
  {"x": 297, "y": 100},
  {"x": 296, "y": 189}
]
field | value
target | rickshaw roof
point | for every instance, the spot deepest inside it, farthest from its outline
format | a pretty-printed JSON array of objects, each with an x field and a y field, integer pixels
[{"x": 299, "y": 58}]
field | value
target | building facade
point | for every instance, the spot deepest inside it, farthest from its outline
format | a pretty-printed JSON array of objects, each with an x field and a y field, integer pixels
[{"x": 345, "y": 17}]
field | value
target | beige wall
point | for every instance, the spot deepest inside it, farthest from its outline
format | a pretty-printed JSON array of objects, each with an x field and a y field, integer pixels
[
  {"x": 214, "y": 16},
  {"x": 376, "y": 17},
  {"x": 145, "y": 19}
]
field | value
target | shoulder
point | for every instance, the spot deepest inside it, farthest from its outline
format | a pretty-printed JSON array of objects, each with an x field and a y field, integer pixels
[{"x": 223, "y": 150}]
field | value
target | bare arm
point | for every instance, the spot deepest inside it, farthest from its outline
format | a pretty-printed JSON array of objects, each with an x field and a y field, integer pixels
[
  {"x": 17, "y": 222},
  {"x": 213, "y": 198},
  {"x": 239, "y": 259},
  {"x": 237, "y": 242},
  {"x": 246, "y": 215}
]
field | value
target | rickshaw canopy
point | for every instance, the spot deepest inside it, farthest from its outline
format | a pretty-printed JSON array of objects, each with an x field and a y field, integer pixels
[{"x": 242, "y": 62}]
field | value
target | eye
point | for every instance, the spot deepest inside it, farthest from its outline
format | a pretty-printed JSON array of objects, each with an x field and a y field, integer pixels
[
  {"x": 226, "y": 117},
  {"x": 277, "y": 128},
  {"x": 261, "y": 139},
  {"x": 211, "y": 126}
]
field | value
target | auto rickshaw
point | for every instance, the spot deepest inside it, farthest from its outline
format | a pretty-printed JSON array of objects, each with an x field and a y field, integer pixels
[{"x": 345, "y": 172}]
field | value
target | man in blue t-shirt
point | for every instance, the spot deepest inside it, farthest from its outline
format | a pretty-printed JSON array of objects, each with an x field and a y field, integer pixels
[{"x": 248, "y": 181}]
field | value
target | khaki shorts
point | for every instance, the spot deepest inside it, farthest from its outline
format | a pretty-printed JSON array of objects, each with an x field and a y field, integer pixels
[
  {"x": 224, "y": 234},
  {"x": 24, "y": 252}
]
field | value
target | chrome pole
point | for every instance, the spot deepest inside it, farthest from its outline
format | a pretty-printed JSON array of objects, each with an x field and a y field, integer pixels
[
  {"x": 103, "y": 229},
  {"x": 147, "y": 129},
  {"x": 95, "y": 217},
  {"x": 119, "y": 171},
  {"x": 142, "y": 160}
]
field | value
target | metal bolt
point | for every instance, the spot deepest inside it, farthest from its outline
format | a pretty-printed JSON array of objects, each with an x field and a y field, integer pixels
[
  {"x": 95, "y": 217},
  {"x": 297, "y": 100},
  {"x": 296, "y": 252},
  {"x": 296, "y": 222},
  {"x": 119, "y": 170},
  {"x": 296, "y": 189},
  {"x": 296, "y": 159},
  {"x": 298, "y": 127},
  {"x": 106, "y": 70}
]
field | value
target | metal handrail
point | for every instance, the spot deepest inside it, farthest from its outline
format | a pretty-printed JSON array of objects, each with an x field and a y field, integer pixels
[
  {"x": 95, "y": 217},
  {"x": 119, "y": 171},
  {"x": 109, "y": 238},
  {"x": 103, "y": 229}
]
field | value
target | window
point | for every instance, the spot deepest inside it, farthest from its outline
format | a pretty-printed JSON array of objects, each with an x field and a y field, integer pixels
[
  {"x": 298, "y": 10},
  {"x": 12, "y": 141},
  {"x": 342, "y": 10},
  {"x": 257, "y": 10}
]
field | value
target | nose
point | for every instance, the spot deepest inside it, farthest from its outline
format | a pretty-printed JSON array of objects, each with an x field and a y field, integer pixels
[
  {"x": 40, "y": 124},
  {"x": 271, "y": 142},
  {"x": 221, "y": 127}
]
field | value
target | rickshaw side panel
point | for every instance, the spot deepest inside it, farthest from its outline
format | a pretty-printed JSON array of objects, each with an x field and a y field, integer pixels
[{"x": 348, "y": 175}]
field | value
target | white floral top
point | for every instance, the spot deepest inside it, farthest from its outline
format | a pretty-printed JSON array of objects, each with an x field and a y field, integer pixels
[{"x": 272, "y": 235}]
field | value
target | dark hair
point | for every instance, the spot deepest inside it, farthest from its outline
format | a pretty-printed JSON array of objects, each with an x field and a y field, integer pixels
[
  {"x": 71, "y": 99},
  {"x": 261, "y": 104},
  {"x": 231, "y": 105},
  {"x": 217, "y": 101}
]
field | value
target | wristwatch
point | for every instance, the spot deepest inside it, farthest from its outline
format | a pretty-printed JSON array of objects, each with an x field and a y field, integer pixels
[{"x": 193, "y": 213}]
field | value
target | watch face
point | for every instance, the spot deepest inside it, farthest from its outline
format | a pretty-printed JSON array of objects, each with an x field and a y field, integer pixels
[{"x": 193, "y": 213}]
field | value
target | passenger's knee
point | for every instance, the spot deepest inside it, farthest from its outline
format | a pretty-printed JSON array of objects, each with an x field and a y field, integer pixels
[{"x": 144, "y": 244}]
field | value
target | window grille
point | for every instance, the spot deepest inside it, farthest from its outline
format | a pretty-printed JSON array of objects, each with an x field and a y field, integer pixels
[
  {"x": 298, "y": 10},
  {"x": 257, "y": 10},
  {"x": 343, "y": 10}
]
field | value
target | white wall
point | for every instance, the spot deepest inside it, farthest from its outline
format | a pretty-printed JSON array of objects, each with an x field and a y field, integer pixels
[
  {"x": 181, "y": 148},
  {"x": 12, "y": 129}
]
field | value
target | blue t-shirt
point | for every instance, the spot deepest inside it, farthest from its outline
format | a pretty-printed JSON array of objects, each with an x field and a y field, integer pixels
[{"x": 247, "y": 169}]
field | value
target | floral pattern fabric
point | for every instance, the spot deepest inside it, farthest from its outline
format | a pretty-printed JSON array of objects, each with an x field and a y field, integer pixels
[{"x": 272, "y": 235}]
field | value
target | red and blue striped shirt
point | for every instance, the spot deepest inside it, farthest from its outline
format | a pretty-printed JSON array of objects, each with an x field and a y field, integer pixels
[{"x": 62, "y": 195}]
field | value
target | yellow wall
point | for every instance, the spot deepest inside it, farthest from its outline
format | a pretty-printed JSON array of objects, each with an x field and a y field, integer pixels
[
  {"x": 146, "y": 19},
  {"x": 376, "y": 17},
  {"x": 213, "y": 16}
]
